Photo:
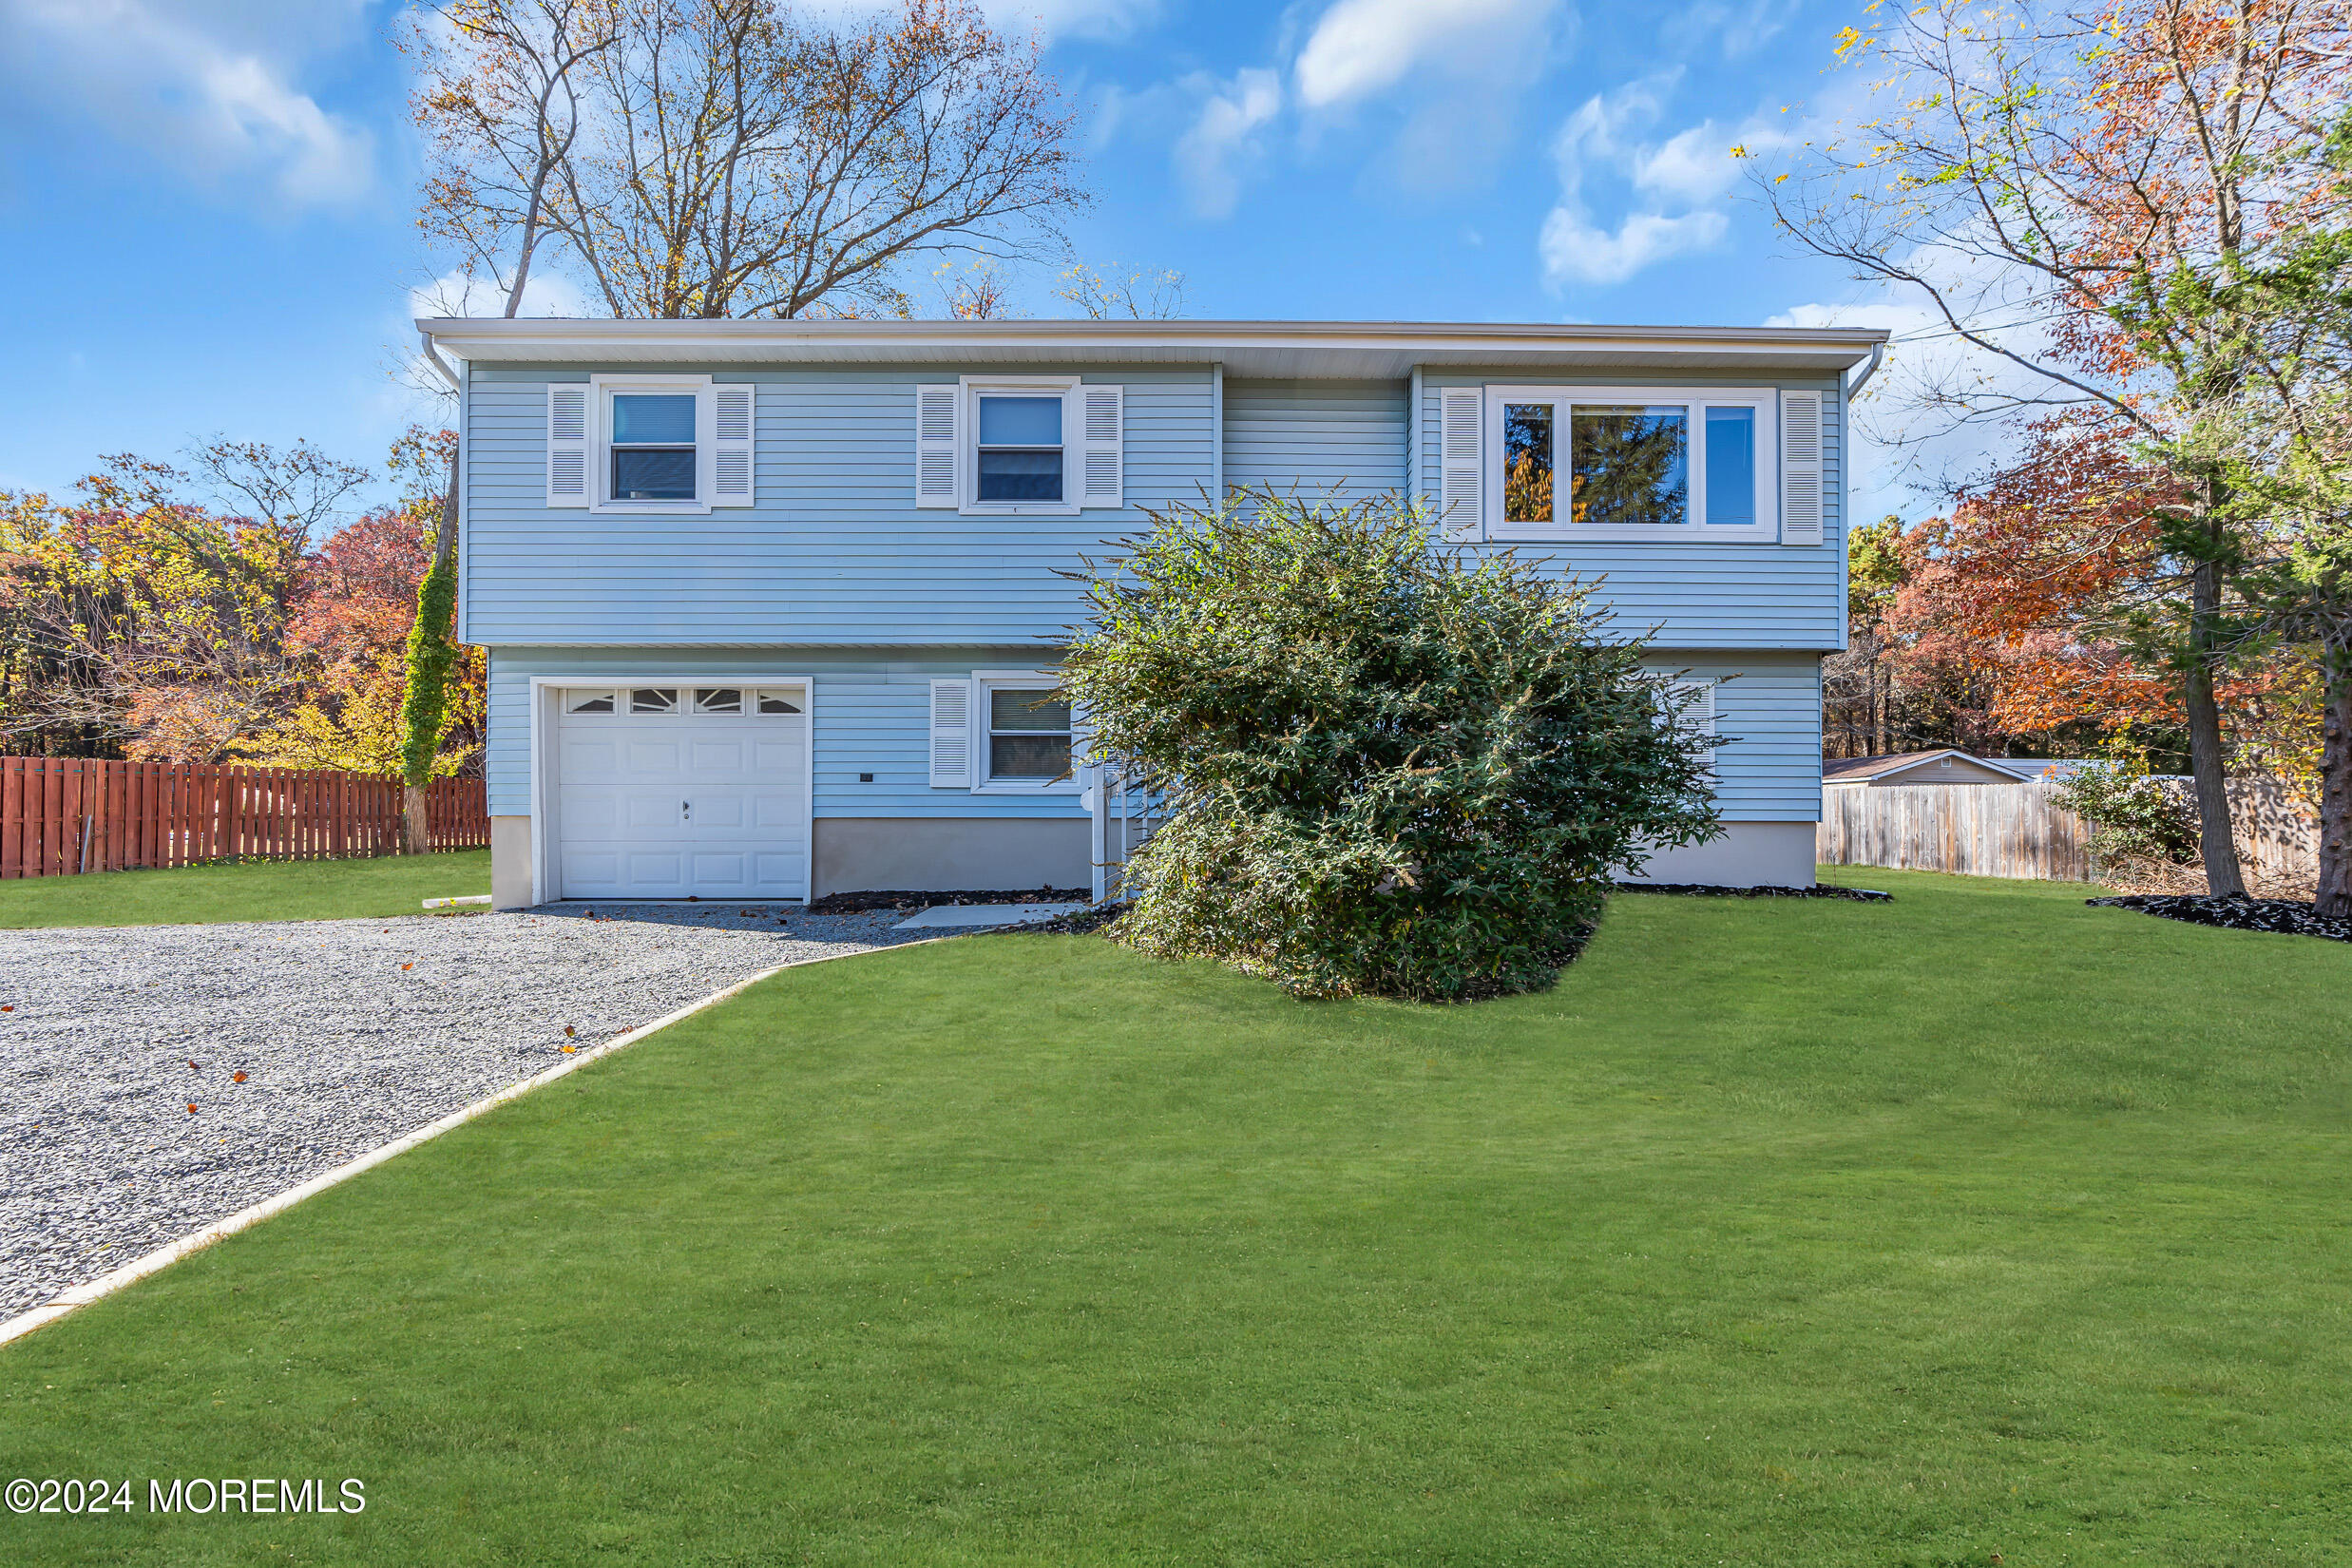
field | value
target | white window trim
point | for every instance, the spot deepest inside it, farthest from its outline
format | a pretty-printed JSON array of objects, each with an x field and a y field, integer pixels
[
  {"x": 1765, "y": 400},
  {"x": 967, "y": 456},
  {"x": 984, "y": 681},
  {"x": 601, "y": 388},
  {"x": 548, "y": 715}
]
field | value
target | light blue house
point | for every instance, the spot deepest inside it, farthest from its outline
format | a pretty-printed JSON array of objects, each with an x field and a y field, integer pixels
[{"x": 772, "y": 606}]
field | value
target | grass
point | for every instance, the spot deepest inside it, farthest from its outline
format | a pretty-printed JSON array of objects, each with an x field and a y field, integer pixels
[
  {"x": 1981, "y": 1227},
  {"x": 281, "y": 890}
]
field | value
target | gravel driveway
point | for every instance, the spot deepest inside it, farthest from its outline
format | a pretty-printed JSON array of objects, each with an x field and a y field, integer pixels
[{"x": 347, "y": 1034}]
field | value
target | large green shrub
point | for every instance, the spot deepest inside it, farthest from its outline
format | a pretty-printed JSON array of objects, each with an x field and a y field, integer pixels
[{"x": 1388, "y": 769}]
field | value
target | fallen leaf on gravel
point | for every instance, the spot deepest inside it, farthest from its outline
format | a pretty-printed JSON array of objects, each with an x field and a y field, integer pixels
[
  {"x": 192, "y": 1064},
  {"x": 237, "y": 1078},
  {"x": 410, "y": 964},
  {"x": 191, "y": 1107},
  {"x": 9, "y": 1009},
  {"x": 568, "y": 1031},
  {"x": 569, "y": 1049}
]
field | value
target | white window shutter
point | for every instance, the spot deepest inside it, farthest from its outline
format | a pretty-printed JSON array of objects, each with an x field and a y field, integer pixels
[
  {"x": 936, "y": 458},
  {"x": 1101, "y": 414},
  {"x": 1694, "y": 711},
  {"x": 567, "y": 445},
  {"x": 951, "y": 735},
  {"x": 1801, "y": 498},
  {"x": 1460, "y": 460},
  {"x": 732, "y": 408}
]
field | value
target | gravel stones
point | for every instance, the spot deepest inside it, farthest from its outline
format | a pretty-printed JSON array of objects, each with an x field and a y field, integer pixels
[
  {"x": 2287, "y": 916},
  {"x": 123, "y": 1123}
]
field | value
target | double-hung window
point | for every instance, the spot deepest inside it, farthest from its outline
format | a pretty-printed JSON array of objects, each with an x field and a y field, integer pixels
[
  {"x": 1028, "y": 735},
  {"x": 650, "y": 444},
  {"x": 1002, "y": 732},
  {"x": 1019, "y": 458},
  {"x": 652, "y": 451},
  {"x": 1631, "y": 463}
]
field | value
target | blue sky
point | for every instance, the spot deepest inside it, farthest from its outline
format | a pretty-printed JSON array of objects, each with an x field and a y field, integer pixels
[{"x": 209, "y": 206}]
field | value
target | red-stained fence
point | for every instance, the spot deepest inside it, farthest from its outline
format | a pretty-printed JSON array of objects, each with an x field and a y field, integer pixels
[{"x": 61, "y": 815}]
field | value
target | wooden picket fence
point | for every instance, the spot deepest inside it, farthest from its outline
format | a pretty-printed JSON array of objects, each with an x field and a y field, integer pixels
[{"x": 63, "y": 815}]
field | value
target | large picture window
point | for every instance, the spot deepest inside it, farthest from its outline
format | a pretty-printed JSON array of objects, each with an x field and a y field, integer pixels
[{"x": 1626, "y": 462}]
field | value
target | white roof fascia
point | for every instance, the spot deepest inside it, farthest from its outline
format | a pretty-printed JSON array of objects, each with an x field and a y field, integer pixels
[{"x": 1304, "y": 349}]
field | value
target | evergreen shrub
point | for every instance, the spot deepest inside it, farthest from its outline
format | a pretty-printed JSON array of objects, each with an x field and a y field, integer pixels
[{"x": 1389, "y": 768}]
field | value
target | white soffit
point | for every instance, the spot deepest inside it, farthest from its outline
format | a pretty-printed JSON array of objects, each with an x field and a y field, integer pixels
[{"x": 1273, "y": 349}]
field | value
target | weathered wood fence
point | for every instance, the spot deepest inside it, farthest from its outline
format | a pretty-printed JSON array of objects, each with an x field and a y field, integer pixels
[
  {"x": 62, "y": 816},
  {"x": 1978, "y": 830},
  {"x": 2021, "y": 830}
]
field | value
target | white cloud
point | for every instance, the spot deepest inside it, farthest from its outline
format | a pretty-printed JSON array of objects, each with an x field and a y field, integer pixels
[
  {"x": 1601, "y": 134},
  {"x": 1224, "y": 139},
  {"x": 1910, "y": 444},
  {"x": 1576, "y": 251},
  {"x": 1734, "y": 29},
  {"x": 1694, "y": 167},
  {"x": 548, "y": 293},
  {"x": 1678, "y": 182},
  {"x": 209, "y": 89},
  {"x": 1363, "y": 47},
  {"x": 1456, "y": 71}
]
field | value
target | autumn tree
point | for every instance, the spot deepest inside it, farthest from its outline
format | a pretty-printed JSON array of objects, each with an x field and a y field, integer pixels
[
  {"x": 151, "y": 615},
  {"x": 1859, "y": 695},
  {"x": 353, "y": 627},
  {"x": 2087, "y": 199}
]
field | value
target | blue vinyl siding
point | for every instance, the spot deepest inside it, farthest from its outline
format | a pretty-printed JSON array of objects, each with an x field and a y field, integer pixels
[
  {"x": 1701, "y": 595},
  {"x": 835, "y": 551},
  {"x": 870, "y": 711},
  {"x": 1339, "y": 438},
  {"x": 1767, "y": 720}
]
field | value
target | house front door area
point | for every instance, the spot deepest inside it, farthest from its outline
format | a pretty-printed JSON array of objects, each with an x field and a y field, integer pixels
[{"x": 676, "y": 791}]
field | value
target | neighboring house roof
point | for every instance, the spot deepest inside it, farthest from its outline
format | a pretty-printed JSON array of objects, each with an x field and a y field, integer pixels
[
  {"x": 1897, "y": 767},
  {"x": 1260, "y": 349},
  {"x": 2046, "y": 766}
]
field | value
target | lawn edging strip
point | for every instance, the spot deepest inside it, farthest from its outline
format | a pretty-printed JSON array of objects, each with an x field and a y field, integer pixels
[{"x": 171, "y": 1252}]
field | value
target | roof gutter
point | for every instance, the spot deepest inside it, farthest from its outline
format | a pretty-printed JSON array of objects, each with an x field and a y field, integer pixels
[
  {"x": 1878, "y": 357},
  {"x": 433, "y": 355}
]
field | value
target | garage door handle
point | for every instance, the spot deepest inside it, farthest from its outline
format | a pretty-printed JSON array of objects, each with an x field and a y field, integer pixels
[{"x": 685, "y": 811}]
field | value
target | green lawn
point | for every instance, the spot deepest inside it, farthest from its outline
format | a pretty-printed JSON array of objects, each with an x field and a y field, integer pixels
[
  {"x": 285, "y": 890},
  {"x": 1979, "y": 1227}
]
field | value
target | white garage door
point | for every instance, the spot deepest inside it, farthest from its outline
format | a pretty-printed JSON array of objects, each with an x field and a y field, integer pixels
[{"x": 667, "y": 791}]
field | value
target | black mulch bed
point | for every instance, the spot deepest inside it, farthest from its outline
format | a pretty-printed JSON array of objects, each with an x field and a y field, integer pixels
[
  {"x": 2287, "y": 916},
  {"x": 1708, "y": 890},
  {"x": 840, "y": 903}
]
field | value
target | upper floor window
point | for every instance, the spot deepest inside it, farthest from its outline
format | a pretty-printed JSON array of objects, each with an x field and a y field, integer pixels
[
  {"x": 653, "y": 446},
  {"x": 1630, "y": 462},
  {"x": 1042, "y": 445},
  {"x": 651, "y": 443},
  {"x": 1019, "y": 450}
]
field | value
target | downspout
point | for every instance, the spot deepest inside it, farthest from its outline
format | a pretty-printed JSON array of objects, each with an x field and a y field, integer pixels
[
  {"x": 1853, "y": 478},
  {"x": 1412, "y": 436},
  {"x": 1878, "y": 357},
  {"x": 1217, "y": 435}
]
